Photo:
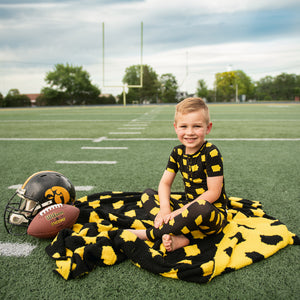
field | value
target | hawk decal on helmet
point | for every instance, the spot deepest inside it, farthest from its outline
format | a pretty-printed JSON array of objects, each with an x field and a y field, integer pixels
[{"x": 58, "y": 194}]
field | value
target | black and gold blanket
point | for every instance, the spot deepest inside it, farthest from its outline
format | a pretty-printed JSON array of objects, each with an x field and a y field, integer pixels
[{"x": 100, "y": 238}]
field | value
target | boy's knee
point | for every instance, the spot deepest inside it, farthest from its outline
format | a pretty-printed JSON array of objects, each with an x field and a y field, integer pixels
[
  {"x": 147, "y": 194},
  {"x": 203, "y": 208},
  {"x": 150, "y": 194}
]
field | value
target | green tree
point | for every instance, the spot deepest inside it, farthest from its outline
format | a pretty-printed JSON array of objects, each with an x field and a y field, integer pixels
[
  {"x": 107, "y": 99},
  {"x": 265, "y": 88},
  {"x": 281, "y": 87},
  {"x": 286, "y": 86},
  {"x": 245, "y": 84},
  {"x": 231, "y": 84},
  {"x": 150, "y": 89},
  {"x": 297, "y": 87},
  {"x": 52, "y": 97},
  {"x": 1, "y": 100},
  {"x": 169, "y": 88},
  {"x": 202, "y": 90},
  {"x": 15, "y": 99},
  {"x": 226, "y": 86},
  {"x": 69, "y": 85}
]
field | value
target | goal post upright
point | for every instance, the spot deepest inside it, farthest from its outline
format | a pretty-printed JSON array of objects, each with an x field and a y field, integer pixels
[{"x": 124, "y": 86}]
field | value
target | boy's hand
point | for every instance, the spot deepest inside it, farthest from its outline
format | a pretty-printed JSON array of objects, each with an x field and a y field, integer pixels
[
  {"x": 159, "y": 219},
  {"x": 164, "y": 217},
  {"x": 171, "y": 215}
]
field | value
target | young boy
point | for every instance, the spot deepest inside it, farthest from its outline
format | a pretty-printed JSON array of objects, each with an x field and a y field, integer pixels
[{"x": 201, "y": 166}]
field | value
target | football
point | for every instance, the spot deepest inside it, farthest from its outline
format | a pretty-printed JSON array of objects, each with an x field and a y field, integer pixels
[{"x": 49, "y": 221}]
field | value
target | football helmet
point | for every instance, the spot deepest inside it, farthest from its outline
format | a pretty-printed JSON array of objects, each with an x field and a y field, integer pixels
[{"x": 40, "y": 190}]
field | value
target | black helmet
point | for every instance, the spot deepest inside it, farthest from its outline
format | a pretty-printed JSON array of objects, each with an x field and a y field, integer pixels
[{"x": 40, "y": 190}]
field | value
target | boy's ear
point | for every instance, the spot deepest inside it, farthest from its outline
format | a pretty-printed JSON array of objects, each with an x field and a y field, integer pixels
[
  {"x": 209, "y": 127},
  {"x": 175, "y": 127}
]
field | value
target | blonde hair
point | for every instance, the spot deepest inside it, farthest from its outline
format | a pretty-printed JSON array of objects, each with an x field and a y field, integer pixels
[{"x": 189, "y": 105}]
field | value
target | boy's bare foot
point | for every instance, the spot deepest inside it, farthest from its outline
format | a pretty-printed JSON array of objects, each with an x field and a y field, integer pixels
[{"x": 173, "y": 242}]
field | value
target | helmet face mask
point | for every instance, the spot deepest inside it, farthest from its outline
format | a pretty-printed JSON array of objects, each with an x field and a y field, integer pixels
[
  {"x": 18, "y": 214},
  {"x": 40, "y": 190}
]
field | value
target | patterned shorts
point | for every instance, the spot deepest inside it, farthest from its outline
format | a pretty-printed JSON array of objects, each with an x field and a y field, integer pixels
[{"x": 199, "y": 216}]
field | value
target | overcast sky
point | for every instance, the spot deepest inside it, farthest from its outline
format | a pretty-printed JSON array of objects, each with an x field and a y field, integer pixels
[{"x": 192, "y": 39}]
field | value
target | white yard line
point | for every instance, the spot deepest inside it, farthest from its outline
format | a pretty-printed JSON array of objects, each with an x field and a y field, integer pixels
[
  {"x": 52, "y": 121},
  {"x": 77, "y": 188},
  {"x": 104, "y": 148},
  {"x": 90, "y": 162},
  {"x": 15, "y": 186},
  {"x": 255, "y": 120},
  {"x": 129, "y": 128},
  {"x": 255, "y": 139},
  {"x": 16, "y": 249},
  {"x": 211, "y": 139},
  {"x": 80, "y": 188},
  {"x": 139, "y": 123},
  {"x": 136, "y": 124},
  {"x": 141, "y": 139},
  {"x": 46, "y": 139},
  {"x": 100, "y": 139},
  {"x": 126, "y": 132}
]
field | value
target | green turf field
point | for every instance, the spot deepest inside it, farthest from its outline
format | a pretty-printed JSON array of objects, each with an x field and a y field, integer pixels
[{"x": 260, "y": 144}]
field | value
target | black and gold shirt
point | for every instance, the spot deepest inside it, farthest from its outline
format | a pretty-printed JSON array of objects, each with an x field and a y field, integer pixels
[{"x": 195, "y": 168}]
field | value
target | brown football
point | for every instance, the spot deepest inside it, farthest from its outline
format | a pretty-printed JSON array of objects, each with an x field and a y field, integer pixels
[{"x": 49, "y": 221}]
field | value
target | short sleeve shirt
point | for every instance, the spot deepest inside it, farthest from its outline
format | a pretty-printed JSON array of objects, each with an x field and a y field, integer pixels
[{"x": 195, "y": 168}]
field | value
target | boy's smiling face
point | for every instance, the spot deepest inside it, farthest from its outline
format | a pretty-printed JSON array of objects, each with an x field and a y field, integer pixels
[{"x": 191, "y": 129}]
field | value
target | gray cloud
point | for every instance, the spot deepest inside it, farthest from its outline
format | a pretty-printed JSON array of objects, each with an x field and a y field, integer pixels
[{"x": 39, "y": 34}]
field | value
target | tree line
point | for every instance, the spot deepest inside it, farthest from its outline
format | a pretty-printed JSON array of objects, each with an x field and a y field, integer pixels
[{"x": 71, "y": 85}]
